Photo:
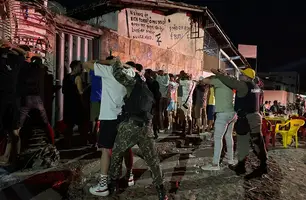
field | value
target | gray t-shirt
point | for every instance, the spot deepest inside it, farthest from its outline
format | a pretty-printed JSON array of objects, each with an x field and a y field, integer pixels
[{"x": 224, "y": 96}]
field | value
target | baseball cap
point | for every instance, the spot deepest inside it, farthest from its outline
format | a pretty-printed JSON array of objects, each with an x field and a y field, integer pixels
[{"x": 249, "y": 72}]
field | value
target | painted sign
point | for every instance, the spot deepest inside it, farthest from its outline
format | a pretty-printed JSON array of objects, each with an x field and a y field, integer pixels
[
  {"x": 167, "y": 32},
  {"x": 144, "y": 26}
]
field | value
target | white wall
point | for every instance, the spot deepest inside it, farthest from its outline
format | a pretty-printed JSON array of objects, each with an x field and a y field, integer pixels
[{"x": 167, "y": 32}]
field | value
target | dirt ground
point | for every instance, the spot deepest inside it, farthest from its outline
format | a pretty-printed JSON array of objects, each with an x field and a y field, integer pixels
[{"x": 185, "y": 180}]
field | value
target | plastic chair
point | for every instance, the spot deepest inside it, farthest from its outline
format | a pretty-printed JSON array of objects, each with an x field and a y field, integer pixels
[
  {"x": 266, "y": 131},
  {"x": 302, "y": 129},
  {"x": 287, "y": 135}
]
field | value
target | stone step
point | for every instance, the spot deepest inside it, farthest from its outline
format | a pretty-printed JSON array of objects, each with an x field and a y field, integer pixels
[
  {"x": 37, "y": 138},
  {"x": 37, "y": 145}
]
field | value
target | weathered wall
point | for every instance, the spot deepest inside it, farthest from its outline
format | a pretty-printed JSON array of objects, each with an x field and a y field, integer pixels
[
  {"x": 148, "y": 55},
  {"x": 167, "y": 32},
  {"x": 157, "y": 42}
]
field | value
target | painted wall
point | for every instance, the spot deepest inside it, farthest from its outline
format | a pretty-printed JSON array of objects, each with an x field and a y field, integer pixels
[
  {"x": 157, "y": 42},
  {"x": 167, "y": 32},
  {"x": 281, "y": 96}
]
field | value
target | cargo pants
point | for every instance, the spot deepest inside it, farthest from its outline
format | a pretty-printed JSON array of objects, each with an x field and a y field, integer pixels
[
  {"x": 255, "y": 137},
  {"x": 129, "y": 134}
]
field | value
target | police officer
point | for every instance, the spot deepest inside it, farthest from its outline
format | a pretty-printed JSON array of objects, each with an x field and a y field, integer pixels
[{"x": 248, "y": 125}]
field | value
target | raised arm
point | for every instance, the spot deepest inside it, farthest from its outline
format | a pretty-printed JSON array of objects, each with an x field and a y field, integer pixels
[
  {"x": 124, "y": 74},
  {"x": 90, "y": 65},
  {"x": 240, "y": 86}
]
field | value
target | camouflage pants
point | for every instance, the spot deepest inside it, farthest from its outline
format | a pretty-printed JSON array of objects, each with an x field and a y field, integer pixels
[{"x": 129, "y": 134}]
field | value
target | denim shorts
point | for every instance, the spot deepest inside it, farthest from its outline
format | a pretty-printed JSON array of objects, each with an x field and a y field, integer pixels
[
  {"x": 171, "y": 106},
  {"x": 210, "y": 112}
]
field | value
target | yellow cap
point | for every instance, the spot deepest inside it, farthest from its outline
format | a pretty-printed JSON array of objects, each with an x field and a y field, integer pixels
[{"x": 249, "y": 72}]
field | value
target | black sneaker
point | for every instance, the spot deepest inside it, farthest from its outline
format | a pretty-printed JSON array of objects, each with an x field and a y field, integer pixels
[
  {"x": 257, "y": 173},
  {"x": 113, "y": 187},
  {"x": 239, "y": 168}
]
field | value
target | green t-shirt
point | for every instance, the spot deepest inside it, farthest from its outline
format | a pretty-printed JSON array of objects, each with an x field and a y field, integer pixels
[{"x": 224, "y": 96}]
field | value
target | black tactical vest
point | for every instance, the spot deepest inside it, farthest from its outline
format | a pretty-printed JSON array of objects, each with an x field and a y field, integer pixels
[{"x": 250, "y": 102}]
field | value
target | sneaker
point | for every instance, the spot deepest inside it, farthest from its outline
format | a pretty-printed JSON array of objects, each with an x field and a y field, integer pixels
[
  {"x": 257, "y": 173},
  {"x": 130, "y": 179},
  {"x": 101, "y": 189},
  {"x": 228, "y": 161},
  {"x": 239, "y": 168},
  {"x": 211, "y": 167}
]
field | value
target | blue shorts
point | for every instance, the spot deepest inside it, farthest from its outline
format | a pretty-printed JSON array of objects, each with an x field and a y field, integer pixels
[
  {"x": 210, "y": 112},
  {"x": 171, "y": 106}
]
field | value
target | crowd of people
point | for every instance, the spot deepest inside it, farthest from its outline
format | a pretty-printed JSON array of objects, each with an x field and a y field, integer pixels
[
  {"x": 276, "y": 108},
  {"x": 129, "y": 106}
]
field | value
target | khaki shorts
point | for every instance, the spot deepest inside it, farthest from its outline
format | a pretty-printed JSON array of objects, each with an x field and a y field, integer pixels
[
  {"x": 94, "y": 111},
  {"x": 184, "y": 113}
]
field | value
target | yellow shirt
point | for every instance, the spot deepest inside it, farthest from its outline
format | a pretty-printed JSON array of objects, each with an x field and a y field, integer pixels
[{"x": 211, "y": 100}]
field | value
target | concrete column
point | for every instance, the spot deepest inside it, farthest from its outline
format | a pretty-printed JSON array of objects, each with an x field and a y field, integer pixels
[
  {"x": 70, "y": 51},
  {"x": 90, "y": 49},
  {"x": 78, "y": 48},
  {"x": 60, "y": 75},
  {"x": 85, "y": 50}
]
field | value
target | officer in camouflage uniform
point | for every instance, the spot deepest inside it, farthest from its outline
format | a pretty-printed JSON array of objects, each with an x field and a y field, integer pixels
[{"x": 130, "y": 133}]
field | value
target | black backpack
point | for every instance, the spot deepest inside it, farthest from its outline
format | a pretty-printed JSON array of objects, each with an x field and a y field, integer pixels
[{"x": 139, "y": 103}]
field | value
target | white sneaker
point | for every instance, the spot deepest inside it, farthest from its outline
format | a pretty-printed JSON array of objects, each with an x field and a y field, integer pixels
[
  {"x": 101, "y": 189},
  {"x": 211, "y": 167},
  {"x": 227, "y": 161},
  {"x": 131, "y": 181}
]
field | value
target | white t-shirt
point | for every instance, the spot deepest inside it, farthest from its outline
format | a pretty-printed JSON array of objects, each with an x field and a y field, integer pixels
[{"x": 112, "y": 93}]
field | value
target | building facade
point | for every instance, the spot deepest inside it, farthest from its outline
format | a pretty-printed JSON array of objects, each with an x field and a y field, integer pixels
[
  {"x": 159, "y": 35},
  {"x": 286, "y": 81}
]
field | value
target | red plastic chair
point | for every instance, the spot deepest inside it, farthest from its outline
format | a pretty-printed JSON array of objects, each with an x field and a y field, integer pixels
[{"x": 268, "y": 131}]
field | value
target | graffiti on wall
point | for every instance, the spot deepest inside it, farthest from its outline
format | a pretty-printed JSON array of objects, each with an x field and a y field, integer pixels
[
  {"x": 37, "y": 44},
  {"x": 167, "y": 32},
  {"x": 145, "y": 26},
  {"x": 178, "y": 32},
  {"x": 40, "y": 46}
]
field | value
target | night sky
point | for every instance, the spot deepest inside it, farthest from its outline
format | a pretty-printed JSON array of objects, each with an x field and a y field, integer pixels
[{"x": 277, "y": 28}]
